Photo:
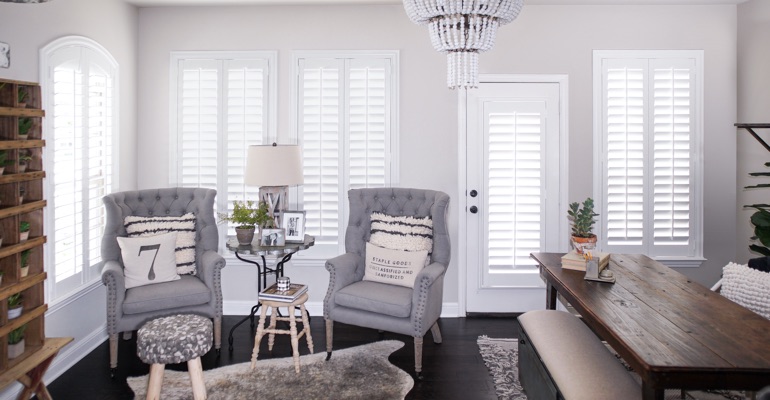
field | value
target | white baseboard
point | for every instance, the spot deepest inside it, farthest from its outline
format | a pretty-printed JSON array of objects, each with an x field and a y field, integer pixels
[
  {"x": 449, "y": 310},
  {"x": 71, "y": 354}
]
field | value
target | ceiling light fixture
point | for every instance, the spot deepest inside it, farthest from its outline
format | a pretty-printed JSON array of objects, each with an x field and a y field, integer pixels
[{"x": 462, "y": 29}]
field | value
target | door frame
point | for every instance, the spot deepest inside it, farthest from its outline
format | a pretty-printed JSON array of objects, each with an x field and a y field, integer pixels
[{"x": 462, "y": 136}]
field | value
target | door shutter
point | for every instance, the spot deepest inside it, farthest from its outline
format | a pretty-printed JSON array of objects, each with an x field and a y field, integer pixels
[
  {"x": 369, "y": 119},
  {"x": 198, "y": 108}
]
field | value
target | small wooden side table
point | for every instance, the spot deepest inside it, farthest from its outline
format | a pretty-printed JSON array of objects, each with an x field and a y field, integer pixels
[{"x": 272, "y": 330}]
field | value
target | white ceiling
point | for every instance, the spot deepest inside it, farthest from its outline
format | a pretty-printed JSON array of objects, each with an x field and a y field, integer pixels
[{"x": 158, "y": 3}]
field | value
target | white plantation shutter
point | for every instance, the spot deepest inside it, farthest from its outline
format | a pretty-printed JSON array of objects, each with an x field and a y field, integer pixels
[
  {"x": 650, "y": 137},
  {"x": 345, "y": 124},
  {"x": 79, "y": 85},
  {"x": 515, "y": 168},
  {"x": 223, "y": 104}
]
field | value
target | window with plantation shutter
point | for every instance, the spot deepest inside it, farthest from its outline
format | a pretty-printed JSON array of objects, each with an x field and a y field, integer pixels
[
  {"x": 224, "y": 103},
  {"x": 345, "y": 125},
  {"x": 649, "y": 137},
  {"x": 80, "y": 98}
]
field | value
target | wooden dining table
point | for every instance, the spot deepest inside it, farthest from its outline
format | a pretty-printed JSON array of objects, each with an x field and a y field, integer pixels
[{"x": 673, "y": 332}]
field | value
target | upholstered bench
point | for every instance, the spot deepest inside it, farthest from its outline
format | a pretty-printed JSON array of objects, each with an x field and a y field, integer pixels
[
  {"x": 561, "y": 358},
  {"x": 172, "y": 340}
]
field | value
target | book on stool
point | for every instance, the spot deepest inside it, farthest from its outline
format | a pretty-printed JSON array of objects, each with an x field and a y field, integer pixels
[{"x": 273, "y": 294}]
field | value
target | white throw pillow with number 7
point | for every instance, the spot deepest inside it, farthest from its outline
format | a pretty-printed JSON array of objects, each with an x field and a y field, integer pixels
[{"x": 149, "y": 259}]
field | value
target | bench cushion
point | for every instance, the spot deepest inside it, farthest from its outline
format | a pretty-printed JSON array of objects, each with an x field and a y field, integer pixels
[{"x": 579, "y": 363}]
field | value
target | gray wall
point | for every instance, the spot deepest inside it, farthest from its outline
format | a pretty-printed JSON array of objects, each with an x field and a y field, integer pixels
[
  {"x": 112, "y": 23},
  {"x": 753, "y": 107},
  {"x": 544, "y": 39}
]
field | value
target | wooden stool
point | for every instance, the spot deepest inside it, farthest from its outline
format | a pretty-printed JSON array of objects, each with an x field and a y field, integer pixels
[
  {"x": 272, "y": 330},
  {"x": 172, "y": 340}
]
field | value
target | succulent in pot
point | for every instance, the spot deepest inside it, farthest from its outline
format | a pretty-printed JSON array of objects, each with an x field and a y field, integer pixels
[
  {"x": 24, "y": 227},
  {"x": 14, "y": 305},
  {"x": 16, "y": 341},
  {"x": 582, "y": 218}
]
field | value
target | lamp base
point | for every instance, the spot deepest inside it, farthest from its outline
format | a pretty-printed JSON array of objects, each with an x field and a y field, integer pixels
[{"x": 277, "y": 200}]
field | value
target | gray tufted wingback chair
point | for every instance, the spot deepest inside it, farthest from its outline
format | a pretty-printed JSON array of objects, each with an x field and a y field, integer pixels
[
  {"x": 128, "y": 310},
  {"x": 351, "y": 300}
]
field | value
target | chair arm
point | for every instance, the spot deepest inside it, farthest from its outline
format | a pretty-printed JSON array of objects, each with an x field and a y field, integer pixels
[
  {"x": 427, "y": 297},
  {"x": 115, "y": 281},
  {"x": 343, "y": 270},
  {"x": 210, "y": 272}
]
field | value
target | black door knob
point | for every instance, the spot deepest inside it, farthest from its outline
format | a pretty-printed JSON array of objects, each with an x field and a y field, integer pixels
[
  {"x": 474, "y": 209},
  {"x": 474, "y": 193}
]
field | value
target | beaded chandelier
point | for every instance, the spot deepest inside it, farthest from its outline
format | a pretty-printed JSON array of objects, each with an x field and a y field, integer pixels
[{"x": 462, "y": 29}]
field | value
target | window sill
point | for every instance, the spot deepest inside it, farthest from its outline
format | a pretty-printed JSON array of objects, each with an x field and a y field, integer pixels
[{"x": 681, "y": 262}]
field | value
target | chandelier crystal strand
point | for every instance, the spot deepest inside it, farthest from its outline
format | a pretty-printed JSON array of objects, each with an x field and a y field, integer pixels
[{"x": 462, "y": 29}]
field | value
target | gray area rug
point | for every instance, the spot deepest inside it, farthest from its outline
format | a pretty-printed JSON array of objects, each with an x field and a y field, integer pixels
[
  {"x": 362, "y": 372},
  {"x": 502, "y": 355}
]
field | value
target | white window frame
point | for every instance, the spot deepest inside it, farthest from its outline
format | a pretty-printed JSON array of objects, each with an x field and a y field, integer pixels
[
  {"x": 271, "y": 58},
  {"x": 312, "y": 256},
  {"x": 696, "y": 239},
  {"x": 90, "y": 275}
]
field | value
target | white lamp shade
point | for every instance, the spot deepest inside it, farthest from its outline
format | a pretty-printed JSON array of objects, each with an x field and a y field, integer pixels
[{"x": 274, "y": 165}]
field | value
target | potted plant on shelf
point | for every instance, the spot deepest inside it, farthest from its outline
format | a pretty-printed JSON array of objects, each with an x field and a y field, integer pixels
[
  {"x": 25, "y": 262},
  {"x": 23, "y": 231},
  {"x": 24, "y": 125},
  {"x": 3, "y": 160},
  {"x": 15, "y": 306},
  {"x": 245, "y": 215},
  {"x": 22, "y": 97},
  {"x": 21, "y": 194},
  {"x": 16, "y": 341},
  {"x": 582, "y": 219},
  {"x": 24, "y": 159}
]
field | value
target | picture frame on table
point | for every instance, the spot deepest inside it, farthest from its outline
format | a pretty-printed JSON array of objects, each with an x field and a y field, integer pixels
[
  {"x": 293, "y": 224},
  {"x": 272, "y": 237}
]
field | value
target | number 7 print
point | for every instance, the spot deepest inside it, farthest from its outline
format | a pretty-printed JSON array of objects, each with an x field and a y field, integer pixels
[{"x": 156, "y": 247}]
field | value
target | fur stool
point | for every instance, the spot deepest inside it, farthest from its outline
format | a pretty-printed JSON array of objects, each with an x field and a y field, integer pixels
[{"x": 172, "y": 340}]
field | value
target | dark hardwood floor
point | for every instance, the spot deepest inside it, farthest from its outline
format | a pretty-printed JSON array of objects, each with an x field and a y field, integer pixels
[{"x": 451, "y": 370}]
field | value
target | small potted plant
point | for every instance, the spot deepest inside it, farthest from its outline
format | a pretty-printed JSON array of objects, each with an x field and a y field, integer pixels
[
  {"x": 24, "y": 159},
  {"x": 3, "y": 160},
  {"x": 21, "y": 194},
  {"x": 24, "y": 126},
  {"x": 16, "y": 341},
  {"x": 582, "y": 219},
  {"x": 25, "y": 262},
  {"x": 15, "y": 306},
  {"x": 245, "y": 215},
  {"x": 22, "y": 97},
  {"x": 23, "y": 231}
]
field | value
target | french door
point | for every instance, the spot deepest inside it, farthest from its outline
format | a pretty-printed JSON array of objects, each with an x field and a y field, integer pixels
[{"x": 514, "y": 192}]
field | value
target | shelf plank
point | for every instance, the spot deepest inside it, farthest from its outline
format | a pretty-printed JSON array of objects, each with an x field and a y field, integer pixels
[
  {"x": 23, "y": 208},
  {"x": 6, "y": 251},
  {"x": 26, "y": 317},
  {"x": 21, "y": 112},
  {"x": 21, "y": 144},
  {"x": 23, "y": 284},
  {"x": 22, "y": 177},
  {"x": 15, "y": 82},
  {"x": 50, "y": 348}
]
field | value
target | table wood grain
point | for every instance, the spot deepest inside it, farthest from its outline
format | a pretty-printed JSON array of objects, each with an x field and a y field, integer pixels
[{"x": 673, "y": 331}]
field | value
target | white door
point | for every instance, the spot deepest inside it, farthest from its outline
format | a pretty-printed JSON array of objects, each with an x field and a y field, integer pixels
[{"x": 513, "y": 192}]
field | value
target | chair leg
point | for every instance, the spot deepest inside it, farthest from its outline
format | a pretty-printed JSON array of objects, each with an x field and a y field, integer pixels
[
  {"x": 436, "y": 332},
  {"x": 329, "y": 334},
  {"x": 113, "y": 354},
  {"x": 418, "y": 357},
  {"x": 217, "y": 333}
]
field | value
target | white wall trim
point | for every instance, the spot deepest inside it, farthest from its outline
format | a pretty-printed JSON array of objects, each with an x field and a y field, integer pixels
[{"x": 65, "y": 301}]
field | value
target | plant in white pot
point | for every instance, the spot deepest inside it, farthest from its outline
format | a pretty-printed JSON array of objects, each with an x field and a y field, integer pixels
[
  {"x": 3, "y": 160},
  {"x": 25, "y": 124},
  {"x": 16, "y": 341},
  {"x": 15, "y": 305},
  {"x": 25, "y": 262},
  {"x": 23, "y": 231},
  {"x": 24, "y": 158},
  {"x": 582, "y": 219},
  {"x": 22, "y": 97}
]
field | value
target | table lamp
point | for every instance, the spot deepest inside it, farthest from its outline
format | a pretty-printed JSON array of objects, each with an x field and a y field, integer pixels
[{"x": 274, "y": 168}]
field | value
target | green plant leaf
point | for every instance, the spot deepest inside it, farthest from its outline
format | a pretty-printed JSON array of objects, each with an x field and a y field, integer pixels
[{"x": 759, "y": 249}]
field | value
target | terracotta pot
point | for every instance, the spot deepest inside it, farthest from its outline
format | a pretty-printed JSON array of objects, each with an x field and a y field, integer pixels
[
  {"x": 244, "y": 235},
  {"x": 582, "y": 243},
  {"x": 16, "y": 349}
]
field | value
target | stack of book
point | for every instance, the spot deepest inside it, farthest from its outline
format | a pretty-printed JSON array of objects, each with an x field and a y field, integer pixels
[
  {"x": 273, "y": 294},
  {"x": 573, "y": 260}
]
